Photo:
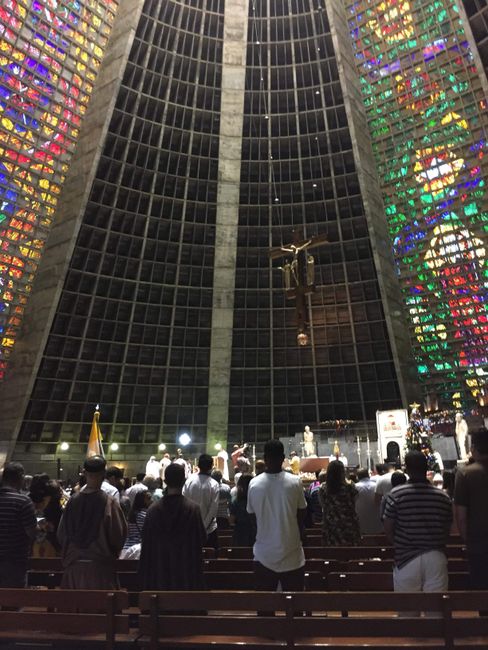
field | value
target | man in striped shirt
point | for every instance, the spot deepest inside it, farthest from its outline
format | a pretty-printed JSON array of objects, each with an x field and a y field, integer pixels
[
  {"x": 17, "y": 527},
  {"x": 417, "y": 519}
]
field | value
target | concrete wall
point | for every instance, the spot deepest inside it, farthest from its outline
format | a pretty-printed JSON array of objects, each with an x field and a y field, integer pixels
[{"x": 27, "y": 354}]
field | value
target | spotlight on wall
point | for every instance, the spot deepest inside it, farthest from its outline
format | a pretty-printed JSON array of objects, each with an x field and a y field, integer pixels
[
  {"x": 64, "y": 446},
  {"x": 162, "y": 446},
  {"x": 114, "y": 446},
  {"x": 184, "y": 439},
  {"x": 218, "y": 446}
]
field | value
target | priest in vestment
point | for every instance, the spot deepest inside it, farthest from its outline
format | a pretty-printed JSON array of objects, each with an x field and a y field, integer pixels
[{"x": 173, "y": 537}]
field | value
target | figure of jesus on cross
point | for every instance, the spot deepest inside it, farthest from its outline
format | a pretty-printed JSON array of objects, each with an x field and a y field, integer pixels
[{"x": 299, "y": 277}]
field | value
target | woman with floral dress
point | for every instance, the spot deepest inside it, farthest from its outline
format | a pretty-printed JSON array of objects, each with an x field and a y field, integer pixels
[{"x": 340, "y": 524}]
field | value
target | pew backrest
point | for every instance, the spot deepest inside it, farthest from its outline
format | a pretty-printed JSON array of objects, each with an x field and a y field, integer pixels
[
  {"x": 202, "y": 618},
  {"x": 56, "y": 613},
  {"x": 205, "y": 619}
]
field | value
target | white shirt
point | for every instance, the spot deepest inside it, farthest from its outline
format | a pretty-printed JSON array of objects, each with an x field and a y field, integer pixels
[
  {"x": 110, "y": 489},
  {"x": 275, "y": 499},
  {"x": 152, "y": 467},
  {"x": 383, "y": 484},
  {"x": 225, "y": 470},
  {"x": 133, "y": 490},
  {"x": 204, "y": 491},
  {"x": 184, "y": 464},
  {"x": 366, "y": 508},
  {"x": 163, "y": 464}
]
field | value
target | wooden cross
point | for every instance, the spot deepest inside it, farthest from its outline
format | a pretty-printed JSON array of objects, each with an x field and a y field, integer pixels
[{"x": 298, "y": 276}]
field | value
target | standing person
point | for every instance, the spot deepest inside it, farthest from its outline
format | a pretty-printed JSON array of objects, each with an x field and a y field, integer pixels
[
  {"x": 471, "y": 512},
  {"x": 340, "y": 524},
  {"x": 225, "y": 464},
  {"x": 397, "y": 478},
  {"x": 243, "y": 467},
  {"x": 163, "y": 464},
  {"x": 18, "y": 527},
  {"x": 47, "y": 496},
  {"x": 366, "y": 508},
  {"x": 244, "y": 523},
  {"x": 112, "y": 483},
  {"x": 277, "y": 500},
  {"x": 180, "y": 460},
  {"x": 172, "y": 539},
  {"x": 417, "y": 520},
  {"x": 383, "y": 482},
  {"x": 295, "y": 463},
  {"x": 135, "y": 520},
  {"x": 224, "y": 501},
  {"x": 92, "y": 533},
  {"x": 137, "y": 487},
  {"x": 313, "y": 503},
  {"x": 204, "y": 491}
]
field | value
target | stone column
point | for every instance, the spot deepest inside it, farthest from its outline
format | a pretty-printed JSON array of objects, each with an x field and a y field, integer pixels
[{"x": 230, "y": 145}]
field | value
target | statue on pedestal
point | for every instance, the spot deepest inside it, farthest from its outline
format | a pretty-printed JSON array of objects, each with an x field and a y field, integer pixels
[
  {"x": 461, "y": 436},
  {"x": 308, "y": 443},
  {"x": 337, "y": 455}
]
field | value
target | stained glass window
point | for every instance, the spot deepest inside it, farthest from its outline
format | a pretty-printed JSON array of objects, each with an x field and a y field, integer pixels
[
  {"x": 50, "y": 52},
  {"x": 427, "y": 117}
]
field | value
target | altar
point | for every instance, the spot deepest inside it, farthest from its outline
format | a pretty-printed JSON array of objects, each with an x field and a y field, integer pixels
[{"x": 313, "y": 463}]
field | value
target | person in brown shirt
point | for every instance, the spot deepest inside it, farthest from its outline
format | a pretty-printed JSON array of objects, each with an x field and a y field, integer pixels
[
  {"x": 471, "y": 511},
  {"x": 92, "y": 533}
]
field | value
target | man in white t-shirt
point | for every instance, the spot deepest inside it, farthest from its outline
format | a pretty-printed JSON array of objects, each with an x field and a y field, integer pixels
[
  {"x": 137, "y": 487},
  {"x": 383, "y": 483},
  {"x": 204, "y": 491},
  {"x": 366, "y": 508},
  {"x": 277, "y": 500}
]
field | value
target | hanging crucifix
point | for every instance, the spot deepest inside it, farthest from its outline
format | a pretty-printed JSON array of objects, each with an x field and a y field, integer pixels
[{"x": 299, "y": 277}]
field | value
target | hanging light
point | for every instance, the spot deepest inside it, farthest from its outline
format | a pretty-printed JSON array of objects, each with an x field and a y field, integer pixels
[{"x": 184, "y": 439}]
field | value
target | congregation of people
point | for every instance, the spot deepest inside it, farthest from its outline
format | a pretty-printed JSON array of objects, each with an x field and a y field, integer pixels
[{"x": 165, "y": 519}]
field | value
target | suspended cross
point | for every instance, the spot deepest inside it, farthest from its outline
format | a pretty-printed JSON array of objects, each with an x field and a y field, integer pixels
[{"x": 299, "y": 276}]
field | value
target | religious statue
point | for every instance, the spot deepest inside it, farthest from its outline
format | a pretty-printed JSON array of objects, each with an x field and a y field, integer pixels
[
  {"x": 309, "y": 445},
  {"x": 461, "y": 436},
  {"x": 152, "y": 467},
  {"x": 298, "y": 278},
  {"x": 310, "y": 270},
  {"x": 293, "y": 248},
  {"x": 337, "y": 455},
  {"x": 286, "y": 268}
]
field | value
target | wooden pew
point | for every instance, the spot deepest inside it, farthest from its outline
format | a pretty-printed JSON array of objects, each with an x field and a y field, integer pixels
[
  {"x": 366, "y": 620},
  {"x": 456, "y": 565},
  {"x": 239, "y": 565},
  {"x": 381, "y": 581},
  {"x": 64, "y": 618},
  {"x": 213, "y": 619},
  {"x": 334, "y": 620},
  {"x": 340, "y": 553},
  {"x": 465, "y": 626}
]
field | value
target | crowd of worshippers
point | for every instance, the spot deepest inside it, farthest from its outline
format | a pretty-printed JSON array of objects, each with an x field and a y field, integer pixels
[{"x": 165, "y": 526}]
